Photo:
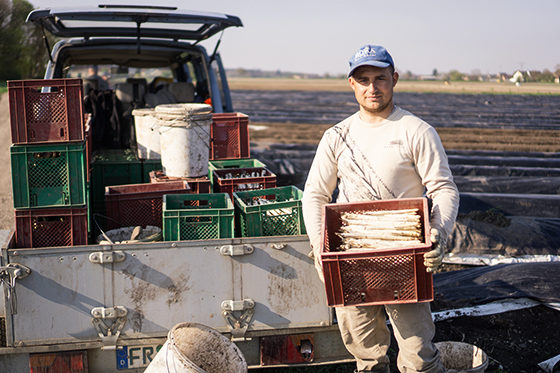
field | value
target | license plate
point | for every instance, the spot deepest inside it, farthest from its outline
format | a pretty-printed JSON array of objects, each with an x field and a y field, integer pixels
[{"x": 129, "y": 357}]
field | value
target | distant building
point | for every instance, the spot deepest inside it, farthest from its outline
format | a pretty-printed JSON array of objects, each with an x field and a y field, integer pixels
[{"x": 428, "y": 77}]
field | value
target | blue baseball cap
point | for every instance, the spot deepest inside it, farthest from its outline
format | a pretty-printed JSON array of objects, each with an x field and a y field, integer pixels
[{"x": 370, "y": 55}]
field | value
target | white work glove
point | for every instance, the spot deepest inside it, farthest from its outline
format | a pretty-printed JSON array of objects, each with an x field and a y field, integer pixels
[
  {"x": 317, "y": 261},
  {"x": 434, "y": 258}
]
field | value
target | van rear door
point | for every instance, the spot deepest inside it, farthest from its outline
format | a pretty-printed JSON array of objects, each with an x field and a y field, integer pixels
[{"x": 133, "y": 21}]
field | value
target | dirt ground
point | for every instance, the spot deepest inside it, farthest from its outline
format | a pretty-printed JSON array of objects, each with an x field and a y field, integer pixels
[
  {"x": 402, "y": 86},
  {"x": 6, "y": 204}
]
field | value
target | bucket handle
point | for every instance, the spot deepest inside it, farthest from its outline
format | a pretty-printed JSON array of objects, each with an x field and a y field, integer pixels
[
  {"x": 101, "y": 230},
  {"x": 200, "y": 137}
]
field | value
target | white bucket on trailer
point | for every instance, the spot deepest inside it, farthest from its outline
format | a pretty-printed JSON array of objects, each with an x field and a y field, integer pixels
[
  {"x": 462, "y": 357},
  {"x": 184, "y": 138},
  {"x": 147, "y": 134},
  {"x": 196, "y": 348}
]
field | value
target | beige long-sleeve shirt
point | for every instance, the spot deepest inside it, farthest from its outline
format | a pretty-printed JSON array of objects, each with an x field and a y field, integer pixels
[{"x": 401, "y": 157}]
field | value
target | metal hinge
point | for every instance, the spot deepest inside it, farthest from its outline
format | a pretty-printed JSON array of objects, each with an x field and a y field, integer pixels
[
  {"x": 102, "y": 257},
  {"x": 234, "y": 250},
  {"x": 8, "y": 276},
  {"x": 238, "y": 315},
  {"x": 109, "y": 323}
]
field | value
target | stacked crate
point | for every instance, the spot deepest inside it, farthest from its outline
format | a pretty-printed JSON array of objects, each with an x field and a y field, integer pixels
[
  {"x": 208, "y": 213},
  {"x": 110, "y": 167},
  {"x": 230, "y": 168},
  {"x": 49, "y": 162}
]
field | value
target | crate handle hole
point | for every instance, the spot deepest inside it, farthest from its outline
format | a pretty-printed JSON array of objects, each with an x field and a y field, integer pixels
[{"x": 47, "y": 155}]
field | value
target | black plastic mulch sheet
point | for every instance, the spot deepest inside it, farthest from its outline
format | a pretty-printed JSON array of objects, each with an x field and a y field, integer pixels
[
  {"x": 505, "y": 235},
  {"x": 479, "y": 285}
]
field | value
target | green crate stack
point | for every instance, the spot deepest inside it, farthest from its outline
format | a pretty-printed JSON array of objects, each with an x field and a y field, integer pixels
[
  {"x": 111, "y": 167},
  {"x": 49, "y": 175},
  {"x": 197, "y": 216},
  {"x": 232, "y": 163},
  {"x": 279, "y": 214},
  {"x": 49, "y": 162}
]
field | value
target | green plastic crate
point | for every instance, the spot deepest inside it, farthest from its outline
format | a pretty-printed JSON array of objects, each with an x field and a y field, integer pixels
[
  {"x": 110, "y": 167},
  {"x": 197, "y": 216},
  {"x": 282, "y": 216},
  {"x": 52, "y": 175},
  {"x": 232, "y": 163}
]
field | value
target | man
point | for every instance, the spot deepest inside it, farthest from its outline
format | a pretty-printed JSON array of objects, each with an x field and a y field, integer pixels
[
  {"x": 93, "y": 76},
  {"x": 383, "y": 152}
]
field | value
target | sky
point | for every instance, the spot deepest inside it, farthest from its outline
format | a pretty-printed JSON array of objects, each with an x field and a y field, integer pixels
[{"x": 319, "y": 36}]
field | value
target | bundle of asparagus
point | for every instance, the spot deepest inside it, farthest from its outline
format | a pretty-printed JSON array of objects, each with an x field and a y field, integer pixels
[
  {"x": 275, "y": 212},
  {"x": 368, "y": 230}
]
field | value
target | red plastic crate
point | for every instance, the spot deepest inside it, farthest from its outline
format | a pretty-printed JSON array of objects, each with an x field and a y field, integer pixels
[
  {"x": 52, "y": 227},
  {"x": 381, "y": 276},
  {"x": 54, "y": 116},
  {"x": 229, "y": 136},
  {"x": 197, "y": 185},
  {"x": 139, "y": 204},
  {"x": 240, "y": 183}
]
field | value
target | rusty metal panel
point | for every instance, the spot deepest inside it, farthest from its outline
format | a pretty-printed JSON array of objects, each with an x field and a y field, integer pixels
[
  {"x": 282, "y": 280},
  {"x": 54, "y": 302},
  {"x": 163, "y": 284}
]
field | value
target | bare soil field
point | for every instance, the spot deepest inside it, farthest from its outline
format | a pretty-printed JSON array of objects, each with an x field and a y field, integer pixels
[
  {"x": 403, "y": 86},
  {"x": 452, "y": 138}
]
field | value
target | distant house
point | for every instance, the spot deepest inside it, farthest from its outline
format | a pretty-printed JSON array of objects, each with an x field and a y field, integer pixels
[{"x": 504, "y": 77}]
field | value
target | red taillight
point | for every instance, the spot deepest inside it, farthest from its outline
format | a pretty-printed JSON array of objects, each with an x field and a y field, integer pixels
[
  {"x": 287, "y": 349},
  {"x": 58, "y": 362}
]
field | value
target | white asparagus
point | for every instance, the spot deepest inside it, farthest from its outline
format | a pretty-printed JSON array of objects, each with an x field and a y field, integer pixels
[
  {"x": 365, "y": 227},
  {"x": 382, "y": 235},
  {"x": 370, "y": 230}
]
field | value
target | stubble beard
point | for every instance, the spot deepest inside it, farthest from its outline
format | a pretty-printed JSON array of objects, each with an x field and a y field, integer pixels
[{"x": 379, "y": 109}]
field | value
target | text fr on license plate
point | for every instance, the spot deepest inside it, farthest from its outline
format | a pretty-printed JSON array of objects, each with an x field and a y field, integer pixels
[{"x": 129, "y": 357}]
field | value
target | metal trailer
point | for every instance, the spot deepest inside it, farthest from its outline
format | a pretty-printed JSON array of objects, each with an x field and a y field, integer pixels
[{"x": 114, "y": 304}]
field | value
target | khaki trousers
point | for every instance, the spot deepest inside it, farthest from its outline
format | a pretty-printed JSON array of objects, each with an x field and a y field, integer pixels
[{"x": 365, "y": 334}]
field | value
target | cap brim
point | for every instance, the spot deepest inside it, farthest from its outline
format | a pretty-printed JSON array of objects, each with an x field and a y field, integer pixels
[{"x": 369, "y": 63}]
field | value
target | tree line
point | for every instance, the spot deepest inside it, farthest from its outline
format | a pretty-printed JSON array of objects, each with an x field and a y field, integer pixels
[{"x": 23, "y": 54}]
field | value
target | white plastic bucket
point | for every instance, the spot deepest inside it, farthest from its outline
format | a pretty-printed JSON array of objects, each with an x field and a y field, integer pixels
[
  {"x": 462, "y": 357},
  {"x": 147, "y": 134},
  {"x": 192, "y": 347},
  {"x": 124, "y": 235},
  {"x": 184, "y": 138}
]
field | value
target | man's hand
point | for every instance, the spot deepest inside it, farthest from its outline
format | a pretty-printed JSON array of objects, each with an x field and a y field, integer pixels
[{"x": 433, "y": 258}]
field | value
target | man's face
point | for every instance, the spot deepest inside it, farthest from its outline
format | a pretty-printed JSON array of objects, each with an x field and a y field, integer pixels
[{"x": 373, "y": 88}]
